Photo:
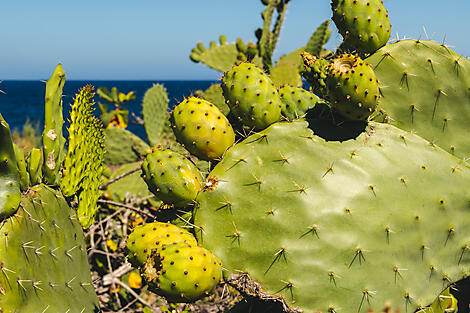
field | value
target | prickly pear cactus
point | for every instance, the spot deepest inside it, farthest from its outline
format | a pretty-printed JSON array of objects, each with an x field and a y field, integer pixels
[
  {"x": 201, "y": 128},
  {"x": 296, "y": 101},
  {"x": 352, "y": 87},
  {"x": 10, "y": 192},
  {"x": 171, "y": 177},
  {"x": 340, "y": 227},
  {"x": 364, "y": 24},
  {"x": 425, "y": 88},
  {"x": 43, "y": 258},
  {"x": 251, "y": 96}
]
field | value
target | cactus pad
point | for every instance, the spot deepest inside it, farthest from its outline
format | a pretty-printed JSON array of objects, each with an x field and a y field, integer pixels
[
  {"x": 122, "y": 146},
  {"x": 171, "y": 177},
  {"x": 43, "y": 258},
  {"x": 364, "y": 24},
  {"x": 340, "y": 227},
  {"x": 202, "y": 128},
  {"x": 251, "y": 96},
  {"x": 425, "y": 88},
  {"x": 154, "y": 111},
  {"x": 10, "y": 192}
]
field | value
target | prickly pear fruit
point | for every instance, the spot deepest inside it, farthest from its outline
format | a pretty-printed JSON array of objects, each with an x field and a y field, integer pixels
[
  {"x": 251, "y": 96},
  {"x": 364, "y": 24},
  {"x": 21, "y": 164},
  {"x": 146, "y": 238},
  {"x": 171, "y": 177},
  {"x": 202, "y": 128},
  {"x": 296, "y": 101},
  {"x": 182, "y": 272},
  {"x": 315, "y": 73},
  {"x": 10, "y": 193},
  {"x": 352, "y": 87}
]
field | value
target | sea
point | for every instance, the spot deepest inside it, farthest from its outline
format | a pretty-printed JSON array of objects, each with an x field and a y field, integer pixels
[{"x": 21, "y": 101}]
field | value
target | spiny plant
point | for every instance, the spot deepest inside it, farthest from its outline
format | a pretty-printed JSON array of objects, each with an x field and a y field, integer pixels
[
  {"x": 336, "y": 211},
  {"x": 43, "y": 255}
]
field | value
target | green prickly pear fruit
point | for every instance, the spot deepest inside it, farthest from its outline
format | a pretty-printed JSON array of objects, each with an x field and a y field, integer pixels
[
  {"x": 251, "y": 96},
  {"x": 10, "y": 194},
  {"x": 171, "y": 177},
  {"x": 144, "y": 239},
  {"x": 182, "y": 272},
  {"x": 202, "y": 128},
  {"x": 296, "y": 101},
  {"x": 352, "y": 87},
  {"x": 364, "y": 24},
  {"x": 315, "y": 73}
]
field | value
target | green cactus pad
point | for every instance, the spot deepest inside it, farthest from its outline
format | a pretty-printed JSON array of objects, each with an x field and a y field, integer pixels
[
  {"x": 220, "y": 58},
  {"x": 144, "y": 239},
  {"x": 340, "y": 227},
  {"x": 154, "y": 111},
  {"x": 83, "y": 165},
  {"x": 52, "y": 138},
  {"x": 364, "y": 24},
  {"x": 21, "y": 165},
  {"x": 352, "y": 87},
  {"x": 201, "y": 128},
  {"x": 318, "y": 39},
  {"x": 122, "y": 146},
  {"x": 286, "y": 70},
  {"x": 183, "y": 272},
  {"x": 43, "y": 258},
  {"x": 425, "y": 88},
  {"x": 296, "y": 101},
  {"x": 251, "y": 96},
  {"x": 10, "y": 192},
  {"x": 171, "y": 177},
  {"x": 35, "y": 162}
]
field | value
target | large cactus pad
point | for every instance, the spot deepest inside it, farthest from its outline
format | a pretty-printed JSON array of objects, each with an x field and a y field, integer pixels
[
  {"x": 340, "y": 227},
  {"x": 43, "y": 260},
  {"x": 426, "y": 89}
]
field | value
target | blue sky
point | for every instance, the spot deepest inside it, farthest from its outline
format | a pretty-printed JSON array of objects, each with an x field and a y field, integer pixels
[{"x": 152, "y": 40}]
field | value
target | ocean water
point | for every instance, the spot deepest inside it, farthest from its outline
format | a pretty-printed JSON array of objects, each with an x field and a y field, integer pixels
[{"x": 24, "y": 100}]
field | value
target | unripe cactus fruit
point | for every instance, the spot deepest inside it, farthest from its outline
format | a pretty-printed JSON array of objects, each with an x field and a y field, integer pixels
[
  {"x": 364, "y": 24},
  {"x": 251, "y": 96},
  {"x": 315, "y": 72},
  {"x": 171, "y": 177},
  {"x": 296, "y": 101},
  {"x": 147, "y": 238},
  {"x": 183, "y": 272},
  {"x": 202, "y": 128},
  {"x": 352, "y": 87}
]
